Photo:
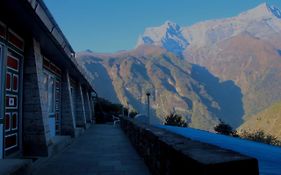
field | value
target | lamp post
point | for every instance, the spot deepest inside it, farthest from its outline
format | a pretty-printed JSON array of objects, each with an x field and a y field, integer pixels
[
  {"x": 123, "y": 111},
  {"x": 128, "y": 108},
  {"x": 148, "y": 106},
  {"x": 128, "y": 111}
]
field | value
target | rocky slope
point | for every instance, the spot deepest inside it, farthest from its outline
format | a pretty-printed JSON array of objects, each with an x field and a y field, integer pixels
[
  {"x": 245, "y": 49},
  {"x": 269, "y": 120},
  {"x": 175, "y": 85},
  {"x": 227, "y": 69}
]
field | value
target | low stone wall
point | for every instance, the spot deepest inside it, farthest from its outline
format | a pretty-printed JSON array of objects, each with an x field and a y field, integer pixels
[{"x": 168, "y": 153}]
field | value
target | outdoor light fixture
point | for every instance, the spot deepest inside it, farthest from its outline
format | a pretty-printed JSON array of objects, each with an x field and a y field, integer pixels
[{"x": 148, "y": 105}]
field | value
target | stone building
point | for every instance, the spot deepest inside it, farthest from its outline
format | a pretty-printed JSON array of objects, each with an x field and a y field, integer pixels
[{"x": 44, "y": 94}]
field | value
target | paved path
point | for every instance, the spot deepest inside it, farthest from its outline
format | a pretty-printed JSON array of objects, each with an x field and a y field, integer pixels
[{"x": 101, "y": 150}]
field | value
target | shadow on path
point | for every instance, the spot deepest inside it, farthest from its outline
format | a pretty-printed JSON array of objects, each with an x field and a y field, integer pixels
[
  {"x": 225, "y": 93},
  {"x": 101, "y": 150}
]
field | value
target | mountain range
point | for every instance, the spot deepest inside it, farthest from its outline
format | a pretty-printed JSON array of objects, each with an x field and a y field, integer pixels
[{"x": 228, "y": 69}]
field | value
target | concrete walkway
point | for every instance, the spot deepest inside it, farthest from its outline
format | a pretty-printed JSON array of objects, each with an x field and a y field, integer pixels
[{"x": 101, "y": 150}]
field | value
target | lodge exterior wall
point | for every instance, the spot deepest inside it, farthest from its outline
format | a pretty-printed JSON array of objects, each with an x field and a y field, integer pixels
[
  {"x": 80, "y": 107},
  {"x": 35, "y": 134},
  {"x": 36, "y": 131},
  {"x": 68, "y": 123},
  {"x": 35, "y": 124},
  {"x": 87, "y": 106}
]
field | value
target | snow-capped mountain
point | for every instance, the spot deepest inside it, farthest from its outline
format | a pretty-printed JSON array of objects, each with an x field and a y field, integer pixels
[
  {"x": 275, "y": 11},
  {"x": 175, "y": 86},
  {"x": 245, "y": 49},
  {"x": 260, "y": 22},
  {"x": 227, "y": 69},
  {"x": 169, "y": 35}
]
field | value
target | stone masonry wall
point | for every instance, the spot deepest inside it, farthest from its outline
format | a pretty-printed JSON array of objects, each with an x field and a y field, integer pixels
[
  {"x": 87, "y": 105},
  {"x": 167, "y": 153},
  {"x": 67, "y": 112},
  {"x": 80, "y": 108},
  {"x": 35, "y": 118}
]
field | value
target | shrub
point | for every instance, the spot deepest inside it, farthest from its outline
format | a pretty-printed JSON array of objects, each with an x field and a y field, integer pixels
[
  {"x": 175, "y": 120},
  {"x": 104, "y": 110},
  {"x": 104, "y": 105},
  {"x": 133, "y": 113},
  {"x": 260, "y": 136},
  {"x": 225, "y": 129}
]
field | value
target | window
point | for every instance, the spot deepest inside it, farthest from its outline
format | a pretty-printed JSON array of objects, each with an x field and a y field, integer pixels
[
  {"x": 45, "y": 84},
  {"x": 49, "y": 92},
  {"x": 51, "y": 95},
  {"x": 1, "y": 70}
]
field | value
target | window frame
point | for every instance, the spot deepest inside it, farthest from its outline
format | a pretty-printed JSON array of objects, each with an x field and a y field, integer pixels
[{"x": 50, "y": 77}]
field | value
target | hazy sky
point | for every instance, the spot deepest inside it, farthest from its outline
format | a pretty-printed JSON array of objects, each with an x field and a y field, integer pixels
[{"x": 112, "y": 25}]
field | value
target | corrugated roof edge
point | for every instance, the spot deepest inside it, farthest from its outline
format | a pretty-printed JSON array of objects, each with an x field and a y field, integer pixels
[
  {"x": 67, "y": 45},
  {"x": 47, "y": 11}
]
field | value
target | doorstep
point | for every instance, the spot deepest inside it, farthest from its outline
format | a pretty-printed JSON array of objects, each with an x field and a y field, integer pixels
[
  {"x": 88, "y": 125},
  {"x": 58, "y": 144},
  {"x": 79, "y": 131},
  {"x": 15, "y": 166}
]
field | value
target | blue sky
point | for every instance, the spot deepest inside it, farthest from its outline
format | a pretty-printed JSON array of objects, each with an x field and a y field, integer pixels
[{"x": 113, "y": 25}]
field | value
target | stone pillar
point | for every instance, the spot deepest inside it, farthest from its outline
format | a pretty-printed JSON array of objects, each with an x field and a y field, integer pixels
[
  {"x": 87, "y": 106},
  {"x": 80, "y": 110},
  {"x": 90, "y": 111},
  {"x": 35, "y": 117},
  {"x": 68, "y": 124},
  {"x": 92, "y": 107}
]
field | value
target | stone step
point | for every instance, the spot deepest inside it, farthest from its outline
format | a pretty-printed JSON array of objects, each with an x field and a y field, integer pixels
[
  {"x": 79, "y": 131},
  {"x": 59, "y": 143},
  {"x": 88, "y": 125},
  {"x": 15, "y": 166}
]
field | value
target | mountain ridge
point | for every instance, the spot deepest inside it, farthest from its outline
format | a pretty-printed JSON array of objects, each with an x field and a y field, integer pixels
[
  {"x": 197, "y": 32},
  {"x": 207, "y": 39},
  {"x": 177, "y": 86},
  {"x": 268, "y": 120},
  {"x": 227, "y": 69}
]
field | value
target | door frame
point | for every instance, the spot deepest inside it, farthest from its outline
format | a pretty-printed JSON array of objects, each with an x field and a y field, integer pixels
[
  {"x": 2, "y": 82},
  {"x": 51, "y": 115},
  {"x": 10, "y": 48},
  {"x": 6, "y": 45}
]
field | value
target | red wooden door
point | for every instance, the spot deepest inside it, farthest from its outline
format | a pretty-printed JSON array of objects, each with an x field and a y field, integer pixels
[{"x": 12, "y": 102}]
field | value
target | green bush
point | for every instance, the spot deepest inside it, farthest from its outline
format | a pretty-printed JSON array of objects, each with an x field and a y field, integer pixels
[
  {"x": 103, "y": 105},
  {"x": 225, "y": 129},
  {"x": 104, "y": 110},
  {"x": 133, "y": 113},
  {"x": 175, "y": 120},
  {"x": 260, "y": 136}
]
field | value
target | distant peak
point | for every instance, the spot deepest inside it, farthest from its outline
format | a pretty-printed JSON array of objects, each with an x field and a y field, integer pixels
[
  {"x": 168, "y": 22},
  {"x": 263, "y": 10},
  {"x": 266, "y": 7},
  {"x": 89, "y": 50},
  {"x": 168, "y": 35},
  {"x": 266, "y": 4},
  {"x": 171, "y": 24},
  {"x": 274, "y": 10}
]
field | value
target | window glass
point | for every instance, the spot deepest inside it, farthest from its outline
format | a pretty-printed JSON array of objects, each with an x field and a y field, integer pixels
[
  {"x": 72, "y": 91},
  {"x": 45, "y": 85},
  {"x": 49, "y": 92},
  {"x": 1, "y": 70},
  {"x": 51, "y": 95}
]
